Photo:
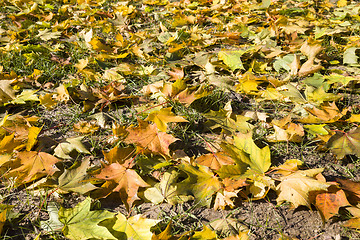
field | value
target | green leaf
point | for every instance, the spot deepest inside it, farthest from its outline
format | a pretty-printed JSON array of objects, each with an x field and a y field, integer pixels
[
  {"x": 72, "y": 180},
  {"x": 232, "y": 59},
  {"x": 260, "y": 159},
  {"x": 81, "y": 223},
  {"x": 344, "y": 143},
  {"x": 201, "y": 183},
  {"x": 166, "y": 190}
]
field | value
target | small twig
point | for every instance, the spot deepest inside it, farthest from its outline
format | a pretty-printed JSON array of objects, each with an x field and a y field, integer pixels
[
  {"x": 160, "y": 104},
  {"x": 42, "y": 203}
]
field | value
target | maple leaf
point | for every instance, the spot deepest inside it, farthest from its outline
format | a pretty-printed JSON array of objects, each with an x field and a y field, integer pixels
[
  {"x": 224, "y": 199},
  {"x": 81, "y": 223},
  {"x": 232, "y": 59},
  {"x": 73, "y": 179},
  {"x": 127, "y": 181},
  {"x": 205, "y": 234},
  {"x": 147, "y": 136},
  {"x": 328, "y": 203},
  {"x": 214, "y": 161},
  {"x": 295, "y": 187},
  {"x": 259, "y": 159},
  {"x": 85, "y": 127},
  {"x": 135, "y": 227},
  {"x": 225, "y": 119},
  {"x": 166, "y": 234},
  {"x": 344, "y": 143},
  {"x": 351, "y": 188},
  {"x": 328, "y": 114},
  {"x": 228, "y": 227},
  {"x": 48, "y": 101},
  {"x": 162, "y": 117},
  {"x": 65, "y": 148},
  {"x": 35, "y": 165},
  {"x": 204, "y": 183},
  {"x": 167, "y": 190},
  {"x": 32, "y": 137},
  {"x": 120, "y": 155}
]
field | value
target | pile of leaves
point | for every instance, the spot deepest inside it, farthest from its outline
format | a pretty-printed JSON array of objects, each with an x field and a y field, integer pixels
[{"x": 157, "y": 80}]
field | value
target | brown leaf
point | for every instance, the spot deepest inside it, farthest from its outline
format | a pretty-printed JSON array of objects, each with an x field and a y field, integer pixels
[{"x": 351, "y": 188}]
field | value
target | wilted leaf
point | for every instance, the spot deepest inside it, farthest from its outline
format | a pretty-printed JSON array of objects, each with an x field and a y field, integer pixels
[
  {"x": 53, "y": 223},
  {"x": 135, "y": 227},
  {"x": 34, "y": 165},
  {"x": 214, "y": 160},
  {"x": 202, "y": 181},
  {"x": 328, "y": 203},
  {"x": 127, "y": 181},
  {"x": 167, "y": 190}
]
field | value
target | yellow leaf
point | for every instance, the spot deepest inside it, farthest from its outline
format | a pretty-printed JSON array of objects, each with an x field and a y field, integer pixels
[
  {"x": 354, "y": 118},
  {"x": 47, "y": 101},
  {"x": 162, "y": 117},
  {"x": 32, "y": 137},
  {"x": 295, "y": 187},
  {"x": 342, "y": 3},
  {"x": 82, "y": 64},
  {"x": 63, "y": 94}
]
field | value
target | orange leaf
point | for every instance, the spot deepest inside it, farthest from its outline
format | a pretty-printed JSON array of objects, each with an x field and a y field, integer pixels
[
  {"x": 34, "y": 164},
  {"x": 214, "y": 161},
  {"x": 148, "y": 136},
  {"x": 127, "y": 181},
  {"x": 328, "y": 203}
]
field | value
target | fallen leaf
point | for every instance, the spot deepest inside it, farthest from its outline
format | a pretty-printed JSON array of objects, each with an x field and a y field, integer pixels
[
  {"x": 65, "y": 148},
  {"x": 202, "y": 181},
  {"x": 127, "y": 181},
  {"x": 135, "y": 227},
  {"x": 344, "y": 143},
  {"x": 148, "y": 136},
  {"x": 295, "y": 187},
  {"x": 162, "y": 117},
  {"x": 81, "y": 223},
  {"x": 214, "y": 160},
  {"x": 328, "y": 203},
  {"x": 73, "y": 179},
  {"x": 167, "y": 190},
  {"x": 35, "y": 165}
]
